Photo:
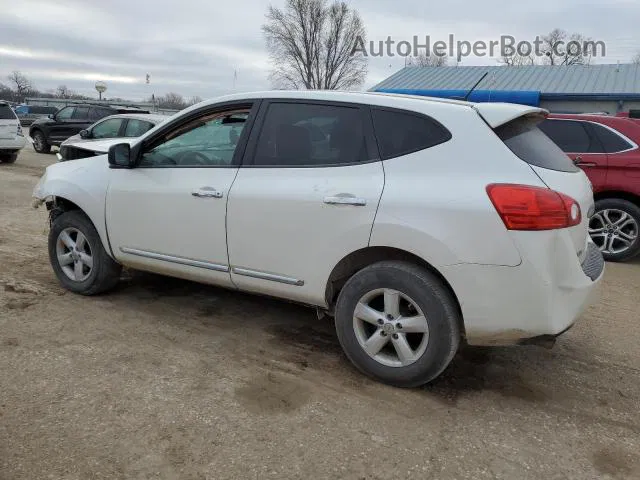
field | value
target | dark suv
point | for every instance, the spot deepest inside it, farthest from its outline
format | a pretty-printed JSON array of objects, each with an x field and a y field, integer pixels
[
  {"x": 607, "y": 149},
  {"x": 56, "y": 128}
]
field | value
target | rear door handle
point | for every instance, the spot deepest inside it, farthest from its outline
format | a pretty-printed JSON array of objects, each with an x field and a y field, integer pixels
[
  {"x": 207, "y": 192},
  {"x": 345, "y": 200}
]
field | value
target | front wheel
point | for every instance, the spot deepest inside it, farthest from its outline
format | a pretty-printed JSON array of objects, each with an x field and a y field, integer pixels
[
  {"x": 614, "y": 229},
  {"x": 398, "y": 323},
  {"x": 40, "y": 144},
  {"x": 77, "y": 256}
]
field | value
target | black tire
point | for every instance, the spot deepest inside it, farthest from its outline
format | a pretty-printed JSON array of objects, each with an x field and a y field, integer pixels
[
  {"x": 105, "y": 272},
  {"x": 430, "y": 295},
  {"x": 40, "y": 143},
  {"x": 618, "y": 205},
  {"x": 8, "y": 157}
]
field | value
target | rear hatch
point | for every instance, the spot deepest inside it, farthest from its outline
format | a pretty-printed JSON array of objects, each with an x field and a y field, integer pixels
[
  {"x": 8, "y": 122},
  {"x": 523, "y": 137}
]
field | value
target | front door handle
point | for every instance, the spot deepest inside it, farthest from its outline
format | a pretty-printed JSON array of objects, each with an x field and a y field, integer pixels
[
  {"x": 579, "y": 163},
  {"x": 345, "y": 200},
  {"x": 207, "y": 192}
]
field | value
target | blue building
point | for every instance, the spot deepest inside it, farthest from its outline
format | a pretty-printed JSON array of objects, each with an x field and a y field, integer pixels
[{"x": 561, "y": 89}]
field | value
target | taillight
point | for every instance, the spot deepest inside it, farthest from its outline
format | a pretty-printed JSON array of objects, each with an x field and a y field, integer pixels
[
  {"x": 19, "y": 132},
  {"x": 524, "y": 207}
]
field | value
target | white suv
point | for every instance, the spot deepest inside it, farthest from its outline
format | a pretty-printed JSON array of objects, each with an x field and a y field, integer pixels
[
  {"x": 417, "y": 223},
  {"x": 11, "y": 136}
]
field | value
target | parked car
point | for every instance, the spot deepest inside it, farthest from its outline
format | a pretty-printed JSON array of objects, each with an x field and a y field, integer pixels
[
  {"x": 27, "y": 114},
  {"x": 11, "y": 136},
  {"x": 97, "y": 138},
  {"x": 606, "y": 148},
  {"x": 68, "y": 121},
  {"x": 416, "y": 223}
]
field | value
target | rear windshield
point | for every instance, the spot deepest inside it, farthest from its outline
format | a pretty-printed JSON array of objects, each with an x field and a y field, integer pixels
[
  {"x": 6, "y": 113},
  {"x": 526, "y": 140}
]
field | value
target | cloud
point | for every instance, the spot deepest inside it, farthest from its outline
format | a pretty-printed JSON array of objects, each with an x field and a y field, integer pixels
[{"x": 207, "y": 48}]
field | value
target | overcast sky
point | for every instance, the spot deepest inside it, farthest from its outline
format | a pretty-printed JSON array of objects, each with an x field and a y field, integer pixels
[{"x": 193, "y": 47}]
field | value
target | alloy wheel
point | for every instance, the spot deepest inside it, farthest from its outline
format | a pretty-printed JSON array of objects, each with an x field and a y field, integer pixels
[
  {"x": 613, "y": 231},
  {"x": 74, "y": 254},
  {"x": 390, "y": 327}
]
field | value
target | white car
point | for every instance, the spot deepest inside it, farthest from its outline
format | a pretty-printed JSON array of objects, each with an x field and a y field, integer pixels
[
  {"x": 11, "y": 135},
  {"x": 108, "y": 131},
  {"x": 417, "y": 223}
]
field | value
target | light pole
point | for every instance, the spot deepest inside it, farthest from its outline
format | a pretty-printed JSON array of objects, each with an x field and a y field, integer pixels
[{"x": 100, "y": 88}]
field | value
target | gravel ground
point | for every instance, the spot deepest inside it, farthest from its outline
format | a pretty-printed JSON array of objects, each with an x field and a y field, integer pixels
[{"x": 168, "y": 379}]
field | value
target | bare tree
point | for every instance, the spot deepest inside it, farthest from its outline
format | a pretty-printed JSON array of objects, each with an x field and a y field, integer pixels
[
  {"x": 63, "y": 92},
  {"x": 312, "y": 43},
  {"x": 424, "y": 60},
  {"x": 195, "y": 99},
  {"x": 21, "y": 83},
  {"x": 636, "y": 59},
  {"x": 560, "y": 48},
  {"x": 517, "y": 60}
]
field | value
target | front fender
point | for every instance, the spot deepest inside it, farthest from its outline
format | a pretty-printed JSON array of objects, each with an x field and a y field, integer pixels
[{"x": 82, "y": 182}]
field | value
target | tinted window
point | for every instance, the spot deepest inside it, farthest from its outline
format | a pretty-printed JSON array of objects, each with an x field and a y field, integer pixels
[
  {"x": 135, "y": 127},
  {"x": 611, "y": 142},
  {"x": 571, "y": 136},
  {"x": 401, "y": 133},
  {"x": 6, "y": 113},
  {"x": 524, "y": 138},
  {"x": 65, "y": 113},
  {"x": 81, "y": 113},
  {"x": 208, "y": 141},
  {"x": 107, "y": 129},
  {"x": 98, "y": 113},
  {"x": 297, "y": 134}
]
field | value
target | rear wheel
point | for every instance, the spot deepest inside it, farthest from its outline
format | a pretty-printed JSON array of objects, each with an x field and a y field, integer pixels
[
  {"x": 77, "y": 256},
  {"x": 40, "y": 144},
  {"x": 614, "y": 228},
  {"x": 398, "y": 323}
]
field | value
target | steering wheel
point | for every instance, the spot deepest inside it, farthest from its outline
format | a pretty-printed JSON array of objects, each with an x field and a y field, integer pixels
[{"x": 193, "y": 157}]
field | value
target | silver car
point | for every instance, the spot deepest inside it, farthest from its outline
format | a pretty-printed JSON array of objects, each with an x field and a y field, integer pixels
[{"x": 108, "y": 131}]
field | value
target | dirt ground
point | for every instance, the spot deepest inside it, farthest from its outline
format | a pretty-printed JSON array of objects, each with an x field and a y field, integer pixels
[{"x": 169, "y": 379}]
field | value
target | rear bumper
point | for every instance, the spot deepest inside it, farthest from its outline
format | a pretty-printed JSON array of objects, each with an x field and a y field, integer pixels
[
  {"x": 12, "y": 144},
  {"x": 541, "y": 297}
]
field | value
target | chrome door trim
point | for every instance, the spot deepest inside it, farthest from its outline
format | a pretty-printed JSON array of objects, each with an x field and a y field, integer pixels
[
  {"x": 345, "y": 200},
  {"x": 179, "y": 260},
  {"x": 245, "y": 272}
]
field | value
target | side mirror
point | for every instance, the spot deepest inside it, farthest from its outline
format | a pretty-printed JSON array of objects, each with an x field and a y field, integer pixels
[
  {"x": 52, "y": 116},
  {"x": 120, "y": 156},
  {"x": 85, "y": 134}
]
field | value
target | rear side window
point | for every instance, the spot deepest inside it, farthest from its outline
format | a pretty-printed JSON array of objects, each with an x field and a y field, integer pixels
[
  {"x": 611, "y": 141},
  {"x": 572, "y": 136},
  {"x": 300, "y": 135},
  {"x": 6, "y": 113},
  {"x": 401, "y": 133},
  {"x": 81, "y": 113},
  {"x": 526, "y": 140},
  {"x": 136, "y": 127}
]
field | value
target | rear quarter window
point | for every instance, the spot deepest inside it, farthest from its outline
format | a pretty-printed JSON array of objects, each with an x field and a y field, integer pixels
[
  {"x": 400, "y": 133},
  {"x": 611, "y": 141},
  {"x": 529, "y": 143},
  {"x": 6, "y": 113}
]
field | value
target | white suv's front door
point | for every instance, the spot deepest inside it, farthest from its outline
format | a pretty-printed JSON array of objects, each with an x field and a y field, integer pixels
[
  {"x": 305, "y": 198},
  {"x": 168, "y": 213}
]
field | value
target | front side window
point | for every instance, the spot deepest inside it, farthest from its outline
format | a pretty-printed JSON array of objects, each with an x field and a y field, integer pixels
[
  {"x": 570, "y": 135},
  {"x": 298, "y": 134},
  {"x": 65, "y": 113},
  {"x": 109, "y": 128},
  {"x": 208, "y": 141},
  {"x": 135, "y": 127},
  {"x": 401, "y": 133}
]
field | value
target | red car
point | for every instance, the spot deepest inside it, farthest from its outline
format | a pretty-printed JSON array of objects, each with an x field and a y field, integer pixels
[{"x": 606, "y": 148}]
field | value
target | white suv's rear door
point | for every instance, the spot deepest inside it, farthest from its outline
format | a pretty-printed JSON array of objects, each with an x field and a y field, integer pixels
[{"x": 305, "y": 197}]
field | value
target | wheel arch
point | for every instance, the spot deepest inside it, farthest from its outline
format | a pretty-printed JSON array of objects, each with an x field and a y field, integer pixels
[
  {"x": 618, "y": 194},
  {"x": 359, "y": 259}
]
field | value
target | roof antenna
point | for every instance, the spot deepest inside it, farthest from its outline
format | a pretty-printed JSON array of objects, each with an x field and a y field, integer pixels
[{"x": 466, "y": 97}]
